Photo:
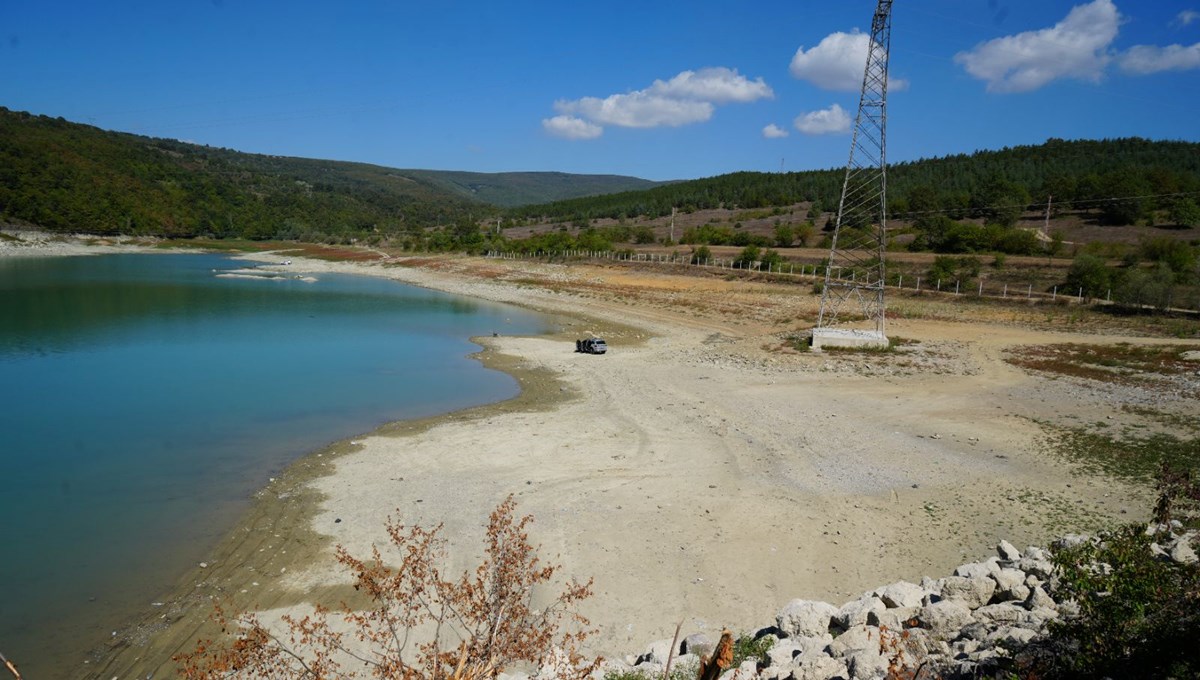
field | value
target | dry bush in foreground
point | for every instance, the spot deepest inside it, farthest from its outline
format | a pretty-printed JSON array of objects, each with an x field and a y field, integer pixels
[{"x": 421, "y": 625}]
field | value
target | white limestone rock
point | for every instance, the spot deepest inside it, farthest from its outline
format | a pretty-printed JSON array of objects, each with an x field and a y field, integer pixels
[
  {"x": 1038, "y": 599},
  {"x": 855, "y": 638},
  {"x": 656, "y": 652},
  {"x": 819, "y": 667},
  {"x": 855, "y": 612},
  {"x": 893, "y": 619},
  {"x": 867, "y": 664},
  {"x": 975, "y": 569},
  {"x": 945, "y": 616},
  {"x": 1008, "y": 552},
  {"x": 1182, "y": 552},
  {"x": 901, "y": 594},
  {"x": 1010, "y": 585},
  {"x": 805, "y": 618},
  {"x": 974, "y": 592}
]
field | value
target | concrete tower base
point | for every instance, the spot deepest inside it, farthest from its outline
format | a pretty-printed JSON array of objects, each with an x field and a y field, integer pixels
[{"x": 847, "y": 337}]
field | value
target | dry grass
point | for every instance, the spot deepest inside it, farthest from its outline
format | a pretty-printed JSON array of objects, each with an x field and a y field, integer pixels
[{"x": 1122, "y": 363}]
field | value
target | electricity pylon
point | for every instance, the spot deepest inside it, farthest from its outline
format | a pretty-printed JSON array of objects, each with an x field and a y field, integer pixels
[{"x": 855, "y": 270}]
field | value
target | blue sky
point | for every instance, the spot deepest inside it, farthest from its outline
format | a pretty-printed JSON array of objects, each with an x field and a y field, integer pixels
[{"x": 660, "y": 90}]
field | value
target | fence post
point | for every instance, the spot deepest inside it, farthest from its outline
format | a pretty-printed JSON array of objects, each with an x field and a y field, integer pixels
[
  {"x": 1005, "y": 293},
  {"x": 939, "y": 286},
  {"x": 918, "y": 284},
  {"x": 900, "y": 283},
  {"x": 1030, "y": 295},
  {"x": 1054, "y": 295},
  {"x": 981, "y": 289},
  {"x": 1080, "y": 296},
  {"x": 956, "y": 282}
]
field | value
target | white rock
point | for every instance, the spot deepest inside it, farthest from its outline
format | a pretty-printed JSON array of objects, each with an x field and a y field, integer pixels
[
  {"x": 1010, "y": 585},
  {"x": 945, "y": 616},
  {"x": 1038, "y": 599},
  {"x": 805, "y": 618},
  {"x": 855, "y": 638},
  {"x": 1040, "y": 568},
  {"x": 1005, "y": 613},
  {"x": 656, "y": 652},
  {"x": 973, "y": 592},
  {"x": 1183, "y": 553},
  {"x": 855, "y": 612},
  {"x": 893, "y": 619},
  {"x": 1033, "y": 552},
  {"x": 1008, "y": 551},
  {"x": 978, "y": 568},
  {"x": 1071, "y": 541},
  {"x": 901, "y": 594},
  {"x": 784, "y": 652},
  {"x": 819, "y": 667},
  {"x": 867, "y": 664},
  {"x": 1011, "y": 637}
]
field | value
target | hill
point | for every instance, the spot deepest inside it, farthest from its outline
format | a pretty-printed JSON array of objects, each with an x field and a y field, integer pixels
[
  {"x": 1124, "y": 180},
  {"x": 512, "y": 189},
  {"x": 64, "y": 176}
]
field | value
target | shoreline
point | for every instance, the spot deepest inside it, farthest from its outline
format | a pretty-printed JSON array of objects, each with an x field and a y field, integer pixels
[
  {"x": 278, "y": 520},
  {"x": 285, "y": 507},
  {"x": 696, "y": 475}
]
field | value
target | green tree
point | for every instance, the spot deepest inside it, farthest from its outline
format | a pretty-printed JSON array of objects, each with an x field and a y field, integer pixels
[
  {"x": 1124, "y": 198},
  {"x": 785, "y": 235},
  {"x": 748, "y": 256},
  {"x": 1091, "y": 274},
  {"x": 1146, "y": 288},
  {"x": 1185, "y": 213}
]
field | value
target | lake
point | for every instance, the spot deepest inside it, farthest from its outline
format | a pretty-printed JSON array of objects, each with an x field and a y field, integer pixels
[{"x": 144, "y": 398}]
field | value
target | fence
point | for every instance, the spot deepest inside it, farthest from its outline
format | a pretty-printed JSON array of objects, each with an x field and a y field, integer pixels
[{"x": 813, "y": 272}]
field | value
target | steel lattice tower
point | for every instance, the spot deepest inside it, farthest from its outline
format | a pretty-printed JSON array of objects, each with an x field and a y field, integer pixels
[{"x": 855, "y": 270}]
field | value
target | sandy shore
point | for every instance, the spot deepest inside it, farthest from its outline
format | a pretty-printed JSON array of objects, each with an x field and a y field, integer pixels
[{"x": 696, "y": 472}]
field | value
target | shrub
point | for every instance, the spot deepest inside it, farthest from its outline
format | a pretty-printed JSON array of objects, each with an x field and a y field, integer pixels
[
  {"x": 1091, "y": 274},
  {"x": 405, "y": 632},
  {"x": 1139, "y": 615}
]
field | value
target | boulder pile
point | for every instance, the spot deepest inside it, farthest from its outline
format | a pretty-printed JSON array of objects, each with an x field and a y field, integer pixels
[{"x": 961, "y": 626}]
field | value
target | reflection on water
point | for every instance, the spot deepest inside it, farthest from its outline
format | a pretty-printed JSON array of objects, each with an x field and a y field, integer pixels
[{"x": 144, "y": 399}]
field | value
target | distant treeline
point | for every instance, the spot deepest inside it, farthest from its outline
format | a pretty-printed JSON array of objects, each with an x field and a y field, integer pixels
[
  {"x": 1123, "y": 181},
  {"x": 62, "y": 176}
]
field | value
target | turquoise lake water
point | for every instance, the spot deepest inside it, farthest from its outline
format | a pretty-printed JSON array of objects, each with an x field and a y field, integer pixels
[{"x": 143, "y": 400}]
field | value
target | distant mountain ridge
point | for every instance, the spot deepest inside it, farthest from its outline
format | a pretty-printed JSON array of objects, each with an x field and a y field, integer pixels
[
  {"x": 514, "y": 189},
  {"x": 67, "y": 176}
]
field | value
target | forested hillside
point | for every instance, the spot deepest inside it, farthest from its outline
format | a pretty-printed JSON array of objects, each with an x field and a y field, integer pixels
[
  {"x": 1123, "y": 179},
  {"x": 509, "y": 189},
  {"x": 64, "y": 176}
]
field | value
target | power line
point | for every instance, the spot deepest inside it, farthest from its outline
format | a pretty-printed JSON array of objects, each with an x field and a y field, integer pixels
[{"x": 1032, "y": 206}]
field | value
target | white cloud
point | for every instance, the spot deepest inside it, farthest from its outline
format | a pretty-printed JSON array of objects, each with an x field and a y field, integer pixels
[
  {"x": 1145, "y": 59},
  {"x": 837, "y": 63},
  {"x": 690, "y": 97},
  {"x": 773, "y": 131},
  {"x": 638, "y": 110},
  {"x": 1076, "y": 47},
  {"x": 824, "y": 122},
  {"x": 1186, "y": 17},
  {"x": 718, "y": 85},
  {"x": 570, "y": 127}
]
